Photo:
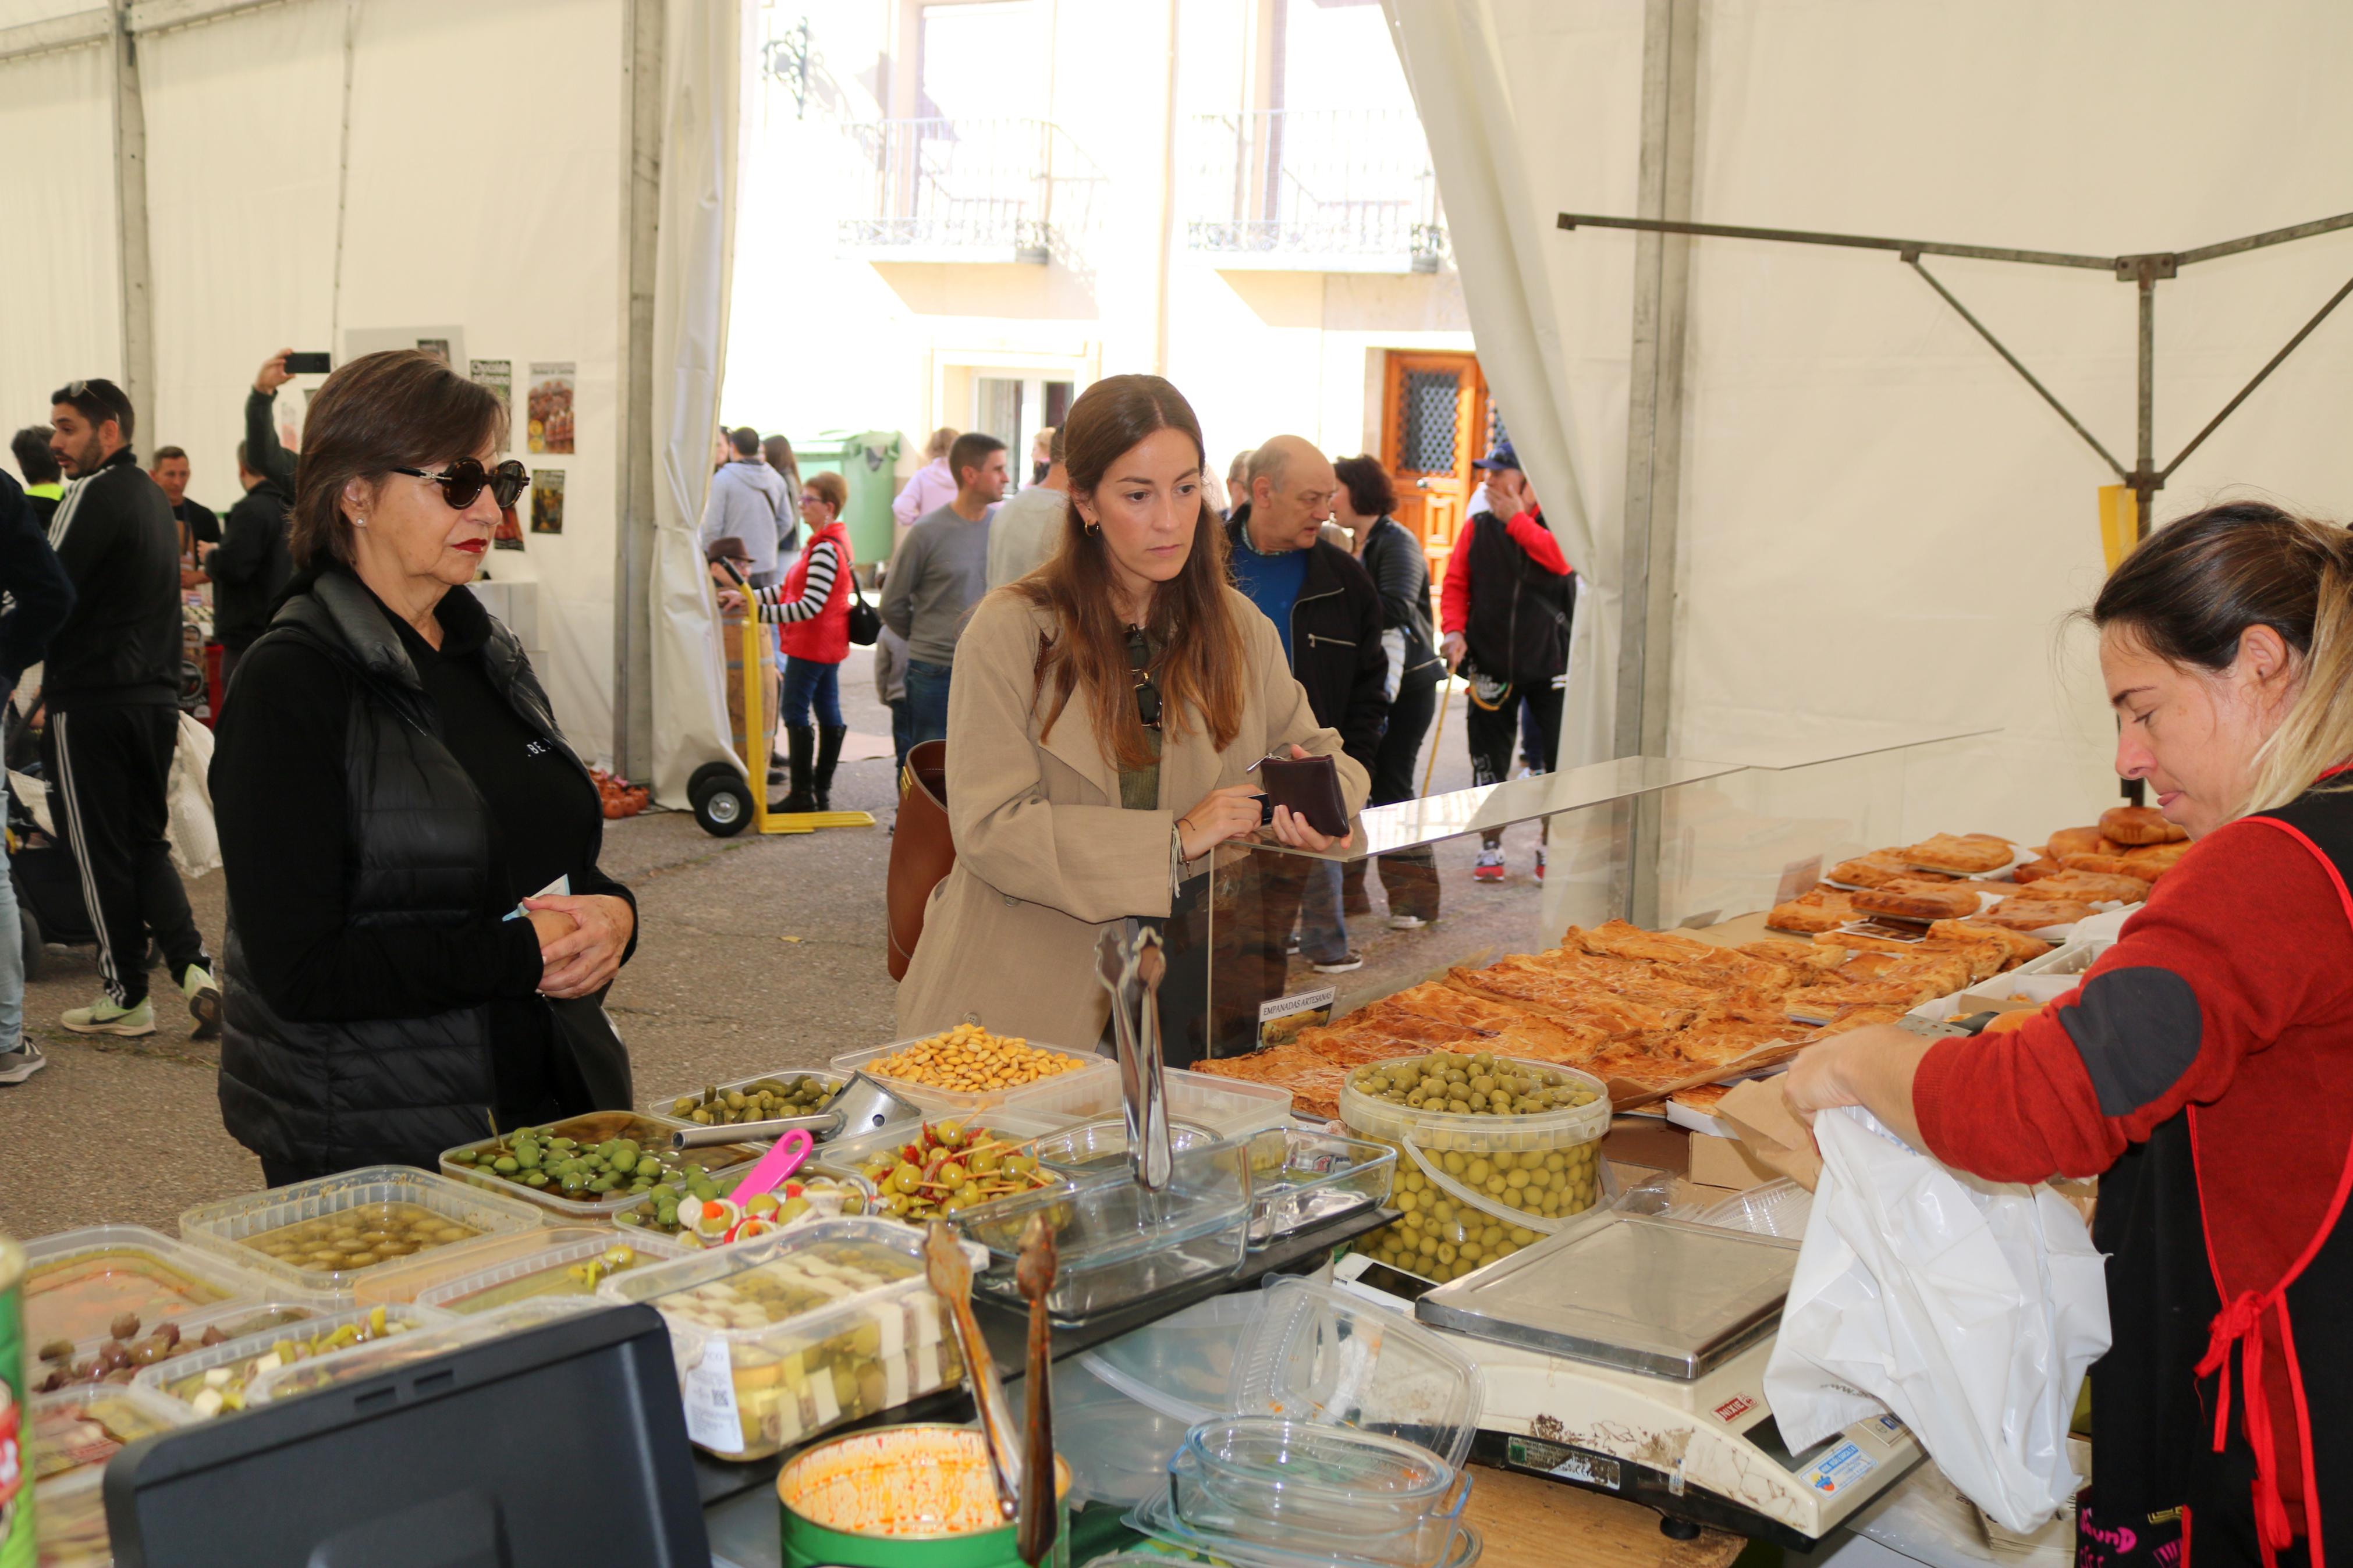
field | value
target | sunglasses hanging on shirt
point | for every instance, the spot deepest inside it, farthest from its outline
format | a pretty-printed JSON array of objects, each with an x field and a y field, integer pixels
[
  {"x": 464, "y": 480},
  {"x": 1147, "y": 696}
]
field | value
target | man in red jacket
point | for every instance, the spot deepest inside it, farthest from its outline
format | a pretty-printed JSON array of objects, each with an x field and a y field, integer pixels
[{"x": 1505, "y": 608}]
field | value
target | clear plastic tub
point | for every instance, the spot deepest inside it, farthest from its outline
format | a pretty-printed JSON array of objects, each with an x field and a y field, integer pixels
[
  {"x": 847, "y": 1160},
  {"x": 72, "y": 1435},
  {"x": 228, "y": 1370},
  {"x": 779, "y": 1338},
  {"x": 1777, "y": 1209},
  {"x": 667, "y": 1105},
  {"x": 579, "y": 1260},
  {"x": 1227, "y": 1106},
  {"x": 1182, "y": 1366},
  {"x": 1318, "y": 1354},
  {"x": 1157, "y": 1517},
  {"x": 409, "y": 1279},
  {"x": 1118, "y": 1450},
  {"x": 945, "y": 1101},
  {"x": 77, "y": 1282},
  {"x": 1323, "y": 1176},
  {"x": 725, "y": 1164},
  {"x": 1437, "y": 1129},
  {"x": 1119, "y": 1244},
  {"x": 1303, "y": 1487},
  {"x": 229, "y": 1320},
  {"x": 407, "y": 1350},
  {"x": 1096, "y": 1151},
  {"x": 419, "y": 1211}
]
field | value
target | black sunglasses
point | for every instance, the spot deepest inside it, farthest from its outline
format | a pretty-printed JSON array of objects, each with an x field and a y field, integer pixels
[
  {"x": 1147, "y": 696},
  {"x": 464, "y": 480}
]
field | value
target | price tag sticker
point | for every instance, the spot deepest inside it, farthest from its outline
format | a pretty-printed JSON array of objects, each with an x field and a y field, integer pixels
[{"x": 712, "y": 1418}]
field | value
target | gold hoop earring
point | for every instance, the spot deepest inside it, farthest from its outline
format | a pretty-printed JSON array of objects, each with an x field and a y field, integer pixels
[{"x": 1095, "y": 528}]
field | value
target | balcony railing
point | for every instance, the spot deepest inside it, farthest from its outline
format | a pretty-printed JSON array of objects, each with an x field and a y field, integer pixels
[
  {"x": 961, "y": 190},
  {"x": 1316, "y": 190}
]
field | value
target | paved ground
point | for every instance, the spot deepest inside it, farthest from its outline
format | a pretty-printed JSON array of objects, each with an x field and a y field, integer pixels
[{"x": 753, "y": 955}]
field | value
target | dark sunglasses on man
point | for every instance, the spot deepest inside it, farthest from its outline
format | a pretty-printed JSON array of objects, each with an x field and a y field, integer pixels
[{"x": 464, "y": 480}]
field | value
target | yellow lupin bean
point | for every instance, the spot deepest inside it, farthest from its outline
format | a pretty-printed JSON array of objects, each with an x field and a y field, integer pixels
[{"x": 969, "y": 1059}]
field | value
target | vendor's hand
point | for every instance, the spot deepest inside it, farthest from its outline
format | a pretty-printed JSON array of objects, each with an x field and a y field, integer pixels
[
  {"x": 730, "y": 600},
  {"x": 273, "y": 374},
  {"x": 1813, "y": 1083},
  {"x": 1218, "y": 817},
  {"x": 1453, "y": 647},
  {"x": 583, "y": 962}
]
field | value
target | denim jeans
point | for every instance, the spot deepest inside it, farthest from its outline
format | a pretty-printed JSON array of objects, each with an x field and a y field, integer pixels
[
  {"x": 903, "y": 733},
  {"x": 12, "y": 949},
  {"x": 1322, "y": 928},
  {"x": 809, "y": 683},
  {"x": 927, "y": 699}
]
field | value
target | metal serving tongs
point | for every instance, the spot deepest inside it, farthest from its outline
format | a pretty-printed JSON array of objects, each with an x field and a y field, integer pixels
[
  {"x": 862, "y": 1106},
  {"x": 1034, "y": 1273},
  {"x": 950, "y": 1276},
  {"x": 1122, "y": 966}
]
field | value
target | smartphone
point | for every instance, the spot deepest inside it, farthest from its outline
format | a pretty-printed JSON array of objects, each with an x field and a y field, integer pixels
[{"x": 307, "y": 364}]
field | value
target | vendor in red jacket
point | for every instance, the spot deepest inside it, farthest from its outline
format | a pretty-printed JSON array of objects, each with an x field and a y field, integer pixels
[{"x": 2204, "y": 1069}]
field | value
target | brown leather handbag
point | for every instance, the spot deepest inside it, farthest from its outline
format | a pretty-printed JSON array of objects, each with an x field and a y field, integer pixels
[{"x": 923, "y": 851}]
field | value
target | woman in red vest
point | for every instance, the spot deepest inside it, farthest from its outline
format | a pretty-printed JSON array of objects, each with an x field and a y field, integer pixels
[
  {"x": 2201, "y": 1069},
  {"x": 813, "y": 606}
]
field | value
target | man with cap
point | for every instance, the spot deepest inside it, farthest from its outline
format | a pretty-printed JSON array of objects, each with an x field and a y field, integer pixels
[{"x": 1505, "y": 608}]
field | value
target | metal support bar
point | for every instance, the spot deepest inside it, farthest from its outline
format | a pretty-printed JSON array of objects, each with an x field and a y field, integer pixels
[
  {"x": 2269, "y": 236},
  {"x": 2319, "y": 316},
  {"x": 1849, "y": 241},
  {"x": 645, "y": 26},
  {"x": 138, "y": 320},
  {"x": 2015, "y": 363},
  {"x": 75, "y": 30}
]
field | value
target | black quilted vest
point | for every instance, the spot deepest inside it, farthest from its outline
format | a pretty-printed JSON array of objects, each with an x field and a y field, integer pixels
[
  {"x": 332, "y": 1096},
  {"x": 1519, "y": 620}
]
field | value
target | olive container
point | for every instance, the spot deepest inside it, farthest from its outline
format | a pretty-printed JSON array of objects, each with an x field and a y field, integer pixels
[{"x": 821, "y": 1490}]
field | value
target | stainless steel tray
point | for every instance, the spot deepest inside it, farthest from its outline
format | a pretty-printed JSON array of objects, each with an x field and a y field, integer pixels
[{"x": 1637, "y": 1293}]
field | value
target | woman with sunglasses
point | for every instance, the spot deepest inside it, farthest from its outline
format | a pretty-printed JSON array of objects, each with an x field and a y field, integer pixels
[
  {"x": 420, "y": 937},
  {"x": 1106, "y": 712},
  {"x": 813, "y": 606}
]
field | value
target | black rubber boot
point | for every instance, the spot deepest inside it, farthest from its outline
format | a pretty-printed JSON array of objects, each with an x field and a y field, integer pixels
[
  {"x": 802, "y": 740},
  {"x": 829, "y": 757}
]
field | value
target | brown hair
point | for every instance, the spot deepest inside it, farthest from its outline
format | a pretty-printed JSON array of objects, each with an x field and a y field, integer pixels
[
  {"x": 1371, "y": 493},
  {"x": 831, "y": 489},
  {"x": 1201, "y": 666},
  {"x": 397, "y": 409},
  {"x": 2190, "y": 591}
]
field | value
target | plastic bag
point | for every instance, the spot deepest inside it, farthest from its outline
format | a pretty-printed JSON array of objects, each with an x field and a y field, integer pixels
[
  {"x": 190, "y": 829},
  {"x": 1968, "y": 1310}
]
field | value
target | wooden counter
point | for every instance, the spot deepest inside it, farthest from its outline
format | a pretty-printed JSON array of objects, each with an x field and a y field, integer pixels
[{"x": 1528, "y": 1523}]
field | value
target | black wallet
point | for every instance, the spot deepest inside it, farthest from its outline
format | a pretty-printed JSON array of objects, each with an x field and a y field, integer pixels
[{"x": 1310, "y": 786}]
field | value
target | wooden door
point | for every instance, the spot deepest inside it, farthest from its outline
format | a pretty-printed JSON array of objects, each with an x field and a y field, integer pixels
[{"x": 1433, "y": 428}]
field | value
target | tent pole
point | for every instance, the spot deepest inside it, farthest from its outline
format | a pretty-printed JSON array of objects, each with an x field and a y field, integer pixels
[
  {"x": 131, "y": 221},
  {"x": 645, "y": 23},
  {"x": 1654, "y": 429}
]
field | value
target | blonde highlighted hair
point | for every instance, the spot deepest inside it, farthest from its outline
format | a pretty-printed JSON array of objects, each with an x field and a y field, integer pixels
[{"x": 2191, "y": 591}]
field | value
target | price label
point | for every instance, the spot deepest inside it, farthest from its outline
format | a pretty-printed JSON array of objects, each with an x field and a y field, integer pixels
[{"x": 712, "y": 1418}]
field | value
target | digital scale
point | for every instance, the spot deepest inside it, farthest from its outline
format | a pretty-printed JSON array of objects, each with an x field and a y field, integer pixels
[{"x": 1626, "y": 1355}]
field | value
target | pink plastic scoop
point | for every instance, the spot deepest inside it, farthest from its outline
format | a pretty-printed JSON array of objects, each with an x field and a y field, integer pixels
[{"x": 775, "y": 1166}]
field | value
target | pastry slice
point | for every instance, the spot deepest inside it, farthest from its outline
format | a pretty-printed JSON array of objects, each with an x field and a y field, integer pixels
[
  {"x": 2019, "y": 946},
  {"x": 2150, "y": 861},
  {"x": 1804, "y": 956},
  {"x": 1861, "y": 1016},
  {"x": 2108, "y": 865},
  {"x": 2140, "y": 825},
  {"x": 1620, "y": 939},
  {"x": 1819, "y": 910},
  {"x": 2092, "y": 887},
  {"x": 1964, "y": 854},
  {"x": 1949, "y": 903},
  {"x": 2034, "y": 871},
  {"x": 1874, "y": 869},
  {"x": 2074, "y": 841},
  {"x": 2029, "y": 915}
]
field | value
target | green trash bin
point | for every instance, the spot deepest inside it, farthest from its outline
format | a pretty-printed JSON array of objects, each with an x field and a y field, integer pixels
[{"x": 868, "y": 462}]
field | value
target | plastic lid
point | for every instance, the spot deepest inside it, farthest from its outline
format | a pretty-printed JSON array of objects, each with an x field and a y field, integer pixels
[{"x": 1319, "y": 1354}]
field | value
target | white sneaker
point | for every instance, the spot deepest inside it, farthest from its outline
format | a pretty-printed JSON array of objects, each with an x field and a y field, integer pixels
[
  {"x": 22, "y": 1063},
  {"x": 1406, "y": 923}
]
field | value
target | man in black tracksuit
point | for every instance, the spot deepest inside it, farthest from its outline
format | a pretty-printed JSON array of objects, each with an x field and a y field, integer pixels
[
  {"x": 250, "y": 565},
  {"x": 111, "y": 685}
]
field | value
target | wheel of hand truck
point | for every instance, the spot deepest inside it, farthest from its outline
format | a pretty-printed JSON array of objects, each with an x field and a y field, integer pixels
[
  {"x": 36, "y": 955},
  {"x": 722, "y": 805}
]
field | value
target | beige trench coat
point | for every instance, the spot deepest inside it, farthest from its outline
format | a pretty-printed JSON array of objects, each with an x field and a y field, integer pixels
[{"x": 1045, "y": 855}]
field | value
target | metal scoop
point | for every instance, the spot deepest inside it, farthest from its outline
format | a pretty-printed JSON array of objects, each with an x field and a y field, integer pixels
[
  {"x": 949, "y": 1273},
  {"x": 1143, "y": 1094},
  {"x": 862, "y": 1106}
]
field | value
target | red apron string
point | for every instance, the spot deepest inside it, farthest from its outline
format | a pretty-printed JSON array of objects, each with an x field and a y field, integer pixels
[{"x": 2239, "y": 1322}]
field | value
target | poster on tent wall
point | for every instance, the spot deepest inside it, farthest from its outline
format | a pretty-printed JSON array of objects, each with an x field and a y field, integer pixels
[
  {"x": 508, "y": 534},
  {"x": 552, "y": 383},
  {"x": 547, "y": 500},
  {"x": 497, "y": 375},
  {"x": 446, "y": 343}
]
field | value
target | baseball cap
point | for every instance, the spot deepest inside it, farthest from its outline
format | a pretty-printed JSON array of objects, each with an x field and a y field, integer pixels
[{"x": 1503, "y": 457}]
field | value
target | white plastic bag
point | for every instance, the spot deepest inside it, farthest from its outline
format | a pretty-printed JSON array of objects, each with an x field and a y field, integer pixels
[
  {"x": 190, "y": 829},
  {"x": 1968, "y": 1310}
]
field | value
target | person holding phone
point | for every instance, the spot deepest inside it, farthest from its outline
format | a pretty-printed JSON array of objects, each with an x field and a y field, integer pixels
[{"x": 1105, "y": 714}]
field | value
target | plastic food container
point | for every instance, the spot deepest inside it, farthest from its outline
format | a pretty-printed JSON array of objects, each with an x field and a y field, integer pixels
[
  {"x": 406, "y": 1349},
  {"x": 1305, "y": 1486},
  {"x": 1322, "y": 1356},
  {"x": 904, "y": 1496},
  {"x": 581, "y": 1259},
  {"x": 666, "y": 1104},
  {"x": 846, "y": 1161},
  {"x": 73, "y": 1434},
  {"x": 1118, "y": 1450},
  {"x": 230, "y": 1321},
  {"x": 1157, "y": 1517},
  {"x": 1096, "y": 1151},
  {"x": 407, "y": 1280},
  {"x": 228, "y": 1370},
  {"x": 1227, "y": 1106},
  {"x": 78, "y": 1281},
  {"x": 1777, "y": 1209},
  {"x": 779, "y": 1338},
  {"x": 1120, "y": 1244},
  {"x": 1455, "y": 1217},
  {"x": 1323, "y": 1176},
  {"x": 948, "y": 1100},
  {"x": 1121, "y": 1410},
  {"x": 725, "y": 1164},
  {"x": 420, "y": 1211}
]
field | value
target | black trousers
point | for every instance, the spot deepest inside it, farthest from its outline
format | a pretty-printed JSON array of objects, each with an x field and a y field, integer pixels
[
  {"x": 1409, "y": 876},
  {"x": 1494, "y": 731},
  {"x": 108, "y": 768}
]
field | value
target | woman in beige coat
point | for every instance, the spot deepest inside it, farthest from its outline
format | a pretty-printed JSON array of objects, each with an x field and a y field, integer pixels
[{"x": 1105, "y": 713}]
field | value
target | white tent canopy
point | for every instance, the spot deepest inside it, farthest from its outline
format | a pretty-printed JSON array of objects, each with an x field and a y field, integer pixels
[
  {"x": 1881, "y": 527},
  {"x": 351, "y": 175}
]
